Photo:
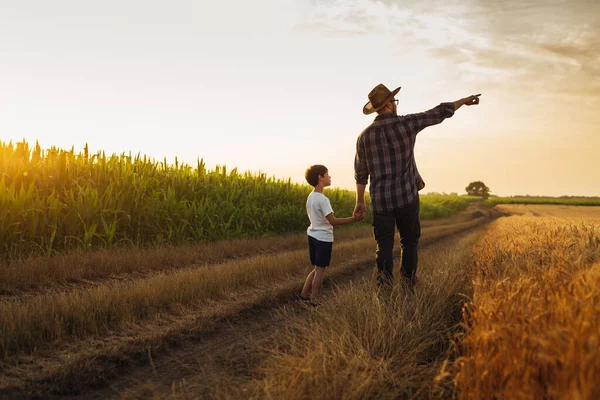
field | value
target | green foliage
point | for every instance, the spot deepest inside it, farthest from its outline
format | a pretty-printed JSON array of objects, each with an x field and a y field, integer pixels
[
  {"x": 440, "y": 206},
  {"x": 478, "y": 188},
  {"x": 57, "y": 200}
]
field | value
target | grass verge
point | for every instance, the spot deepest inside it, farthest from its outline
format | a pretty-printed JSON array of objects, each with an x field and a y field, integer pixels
[
  {"x": 38, "y": 321},
  {"x": 73, "y": 268},
  {"x": 363, "y": 344}
]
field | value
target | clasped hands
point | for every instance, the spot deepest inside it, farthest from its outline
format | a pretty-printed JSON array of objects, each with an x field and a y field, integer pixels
[{"x": 359, "y": 212}]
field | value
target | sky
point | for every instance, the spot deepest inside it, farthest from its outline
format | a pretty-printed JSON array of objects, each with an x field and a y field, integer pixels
[{"x": 278, "y": 85}]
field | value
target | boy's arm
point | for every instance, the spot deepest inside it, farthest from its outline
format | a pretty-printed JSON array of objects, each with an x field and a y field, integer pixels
[{"x": 340, "y": 221}]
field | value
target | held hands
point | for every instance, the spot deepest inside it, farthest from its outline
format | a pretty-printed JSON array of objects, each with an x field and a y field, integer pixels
[
  {"x": 359, "y": 212},
  {"x": 358, "y": 217}
]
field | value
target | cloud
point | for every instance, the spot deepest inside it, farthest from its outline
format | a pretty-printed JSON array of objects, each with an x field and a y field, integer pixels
[
  {"x": 329, "y": 29},
  {"x": 356, "y": 17},
  {"x": 589, "y": 51},
  {"x": 550, "y": 44}
]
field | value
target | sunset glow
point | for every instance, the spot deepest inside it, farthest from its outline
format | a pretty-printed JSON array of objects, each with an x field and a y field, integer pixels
[{"x": 278, "y": 85}]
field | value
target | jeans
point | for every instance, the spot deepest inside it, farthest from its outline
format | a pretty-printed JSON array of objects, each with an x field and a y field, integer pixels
[{"x": 406, "y": 219}]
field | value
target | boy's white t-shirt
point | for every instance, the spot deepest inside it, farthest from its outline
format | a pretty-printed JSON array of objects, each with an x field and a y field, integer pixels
[{"x": 317, "y": 208}]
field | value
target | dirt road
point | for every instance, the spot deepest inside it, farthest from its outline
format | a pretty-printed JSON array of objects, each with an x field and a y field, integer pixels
[{"x": 158, "y": 358}]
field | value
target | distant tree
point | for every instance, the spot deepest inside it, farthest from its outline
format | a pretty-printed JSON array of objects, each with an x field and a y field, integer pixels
[{"x": 478, "y": 188}]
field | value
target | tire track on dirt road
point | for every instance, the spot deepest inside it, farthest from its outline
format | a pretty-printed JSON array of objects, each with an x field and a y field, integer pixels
[
  {"x": 230, "y": 352},
  {"x": 190, "y": 339},
  {"x": 227, "y": 348}
]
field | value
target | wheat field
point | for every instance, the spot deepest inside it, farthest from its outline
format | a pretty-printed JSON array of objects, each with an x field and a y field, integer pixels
[{"x": 533, "y": 325}]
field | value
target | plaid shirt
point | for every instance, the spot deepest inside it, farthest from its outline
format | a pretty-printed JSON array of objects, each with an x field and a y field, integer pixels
[{"x": 384, "y": 151}]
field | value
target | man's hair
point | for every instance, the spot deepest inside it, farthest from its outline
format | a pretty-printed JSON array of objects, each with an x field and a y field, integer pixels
[{"x": 313, "y": 172}]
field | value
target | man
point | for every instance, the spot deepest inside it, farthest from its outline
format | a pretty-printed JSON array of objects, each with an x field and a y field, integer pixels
[{"x": 384, "y": 153}]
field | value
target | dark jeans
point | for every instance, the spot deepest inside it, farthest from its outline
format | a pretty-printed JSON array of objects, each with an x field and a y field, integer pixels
[{"x": 406, "y": 219}]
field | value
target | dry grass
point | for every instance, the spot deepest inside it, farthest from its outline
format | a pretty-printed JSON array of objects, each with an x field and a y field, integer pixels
[
  {"x": 72, "y": 336},
  {"x": 71, "y": 367},
  {"x": 37, "y": 321},
  {"x": 360, "y": 344},
  {"x": 533, "y": 326},
  {"x": 73, "y": 268}
]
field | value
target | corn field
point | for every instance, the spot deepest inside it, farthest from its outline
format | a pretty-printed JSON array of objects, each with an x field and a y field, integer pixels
[{"x": 57, "y": 200}]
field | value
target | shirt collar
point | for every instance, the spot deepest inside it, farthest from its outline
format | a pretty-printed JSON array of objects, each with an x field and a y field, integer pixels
[{"x": 385, "y": 116}]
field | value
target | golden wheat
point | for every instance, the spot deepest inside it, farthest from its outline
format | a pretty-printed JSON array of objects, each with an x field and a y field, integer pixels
[{"x": 534, "y": 322}]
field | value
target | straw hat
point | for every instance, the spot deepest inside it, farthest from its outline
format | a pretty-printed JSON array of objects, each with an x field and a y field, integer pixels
[{"x": 379, "y": 97}]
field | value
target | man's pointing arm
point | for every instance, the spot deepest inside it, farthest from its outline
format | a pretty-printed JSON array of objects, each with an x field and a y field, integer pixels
[{"x": 467, "y": 101}]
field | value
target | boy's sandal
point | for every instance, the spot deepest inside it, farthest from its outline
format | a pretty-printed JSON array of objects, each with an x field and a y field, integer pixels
[{"x": 302, "y": 299}]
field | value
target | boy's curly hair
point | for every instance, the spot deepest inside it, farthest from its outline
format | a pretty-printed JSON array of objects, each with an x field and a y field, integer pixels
[{"x": 313, "y": 172}]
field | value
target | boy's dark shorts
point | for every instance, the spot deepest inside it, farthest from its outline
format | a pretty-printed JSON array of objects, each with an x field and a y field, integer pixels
[{"x": 320, "y": 252}]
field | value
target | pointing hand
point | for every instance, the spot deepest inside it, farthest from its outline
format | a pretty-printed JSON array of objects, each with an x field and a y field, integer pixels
[{"x": 472, "y": 100}]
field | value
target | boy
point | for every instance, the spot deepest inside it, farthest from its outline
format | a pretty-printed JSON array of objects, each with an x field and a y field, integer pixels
[{"x": 320, "y": 231}]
